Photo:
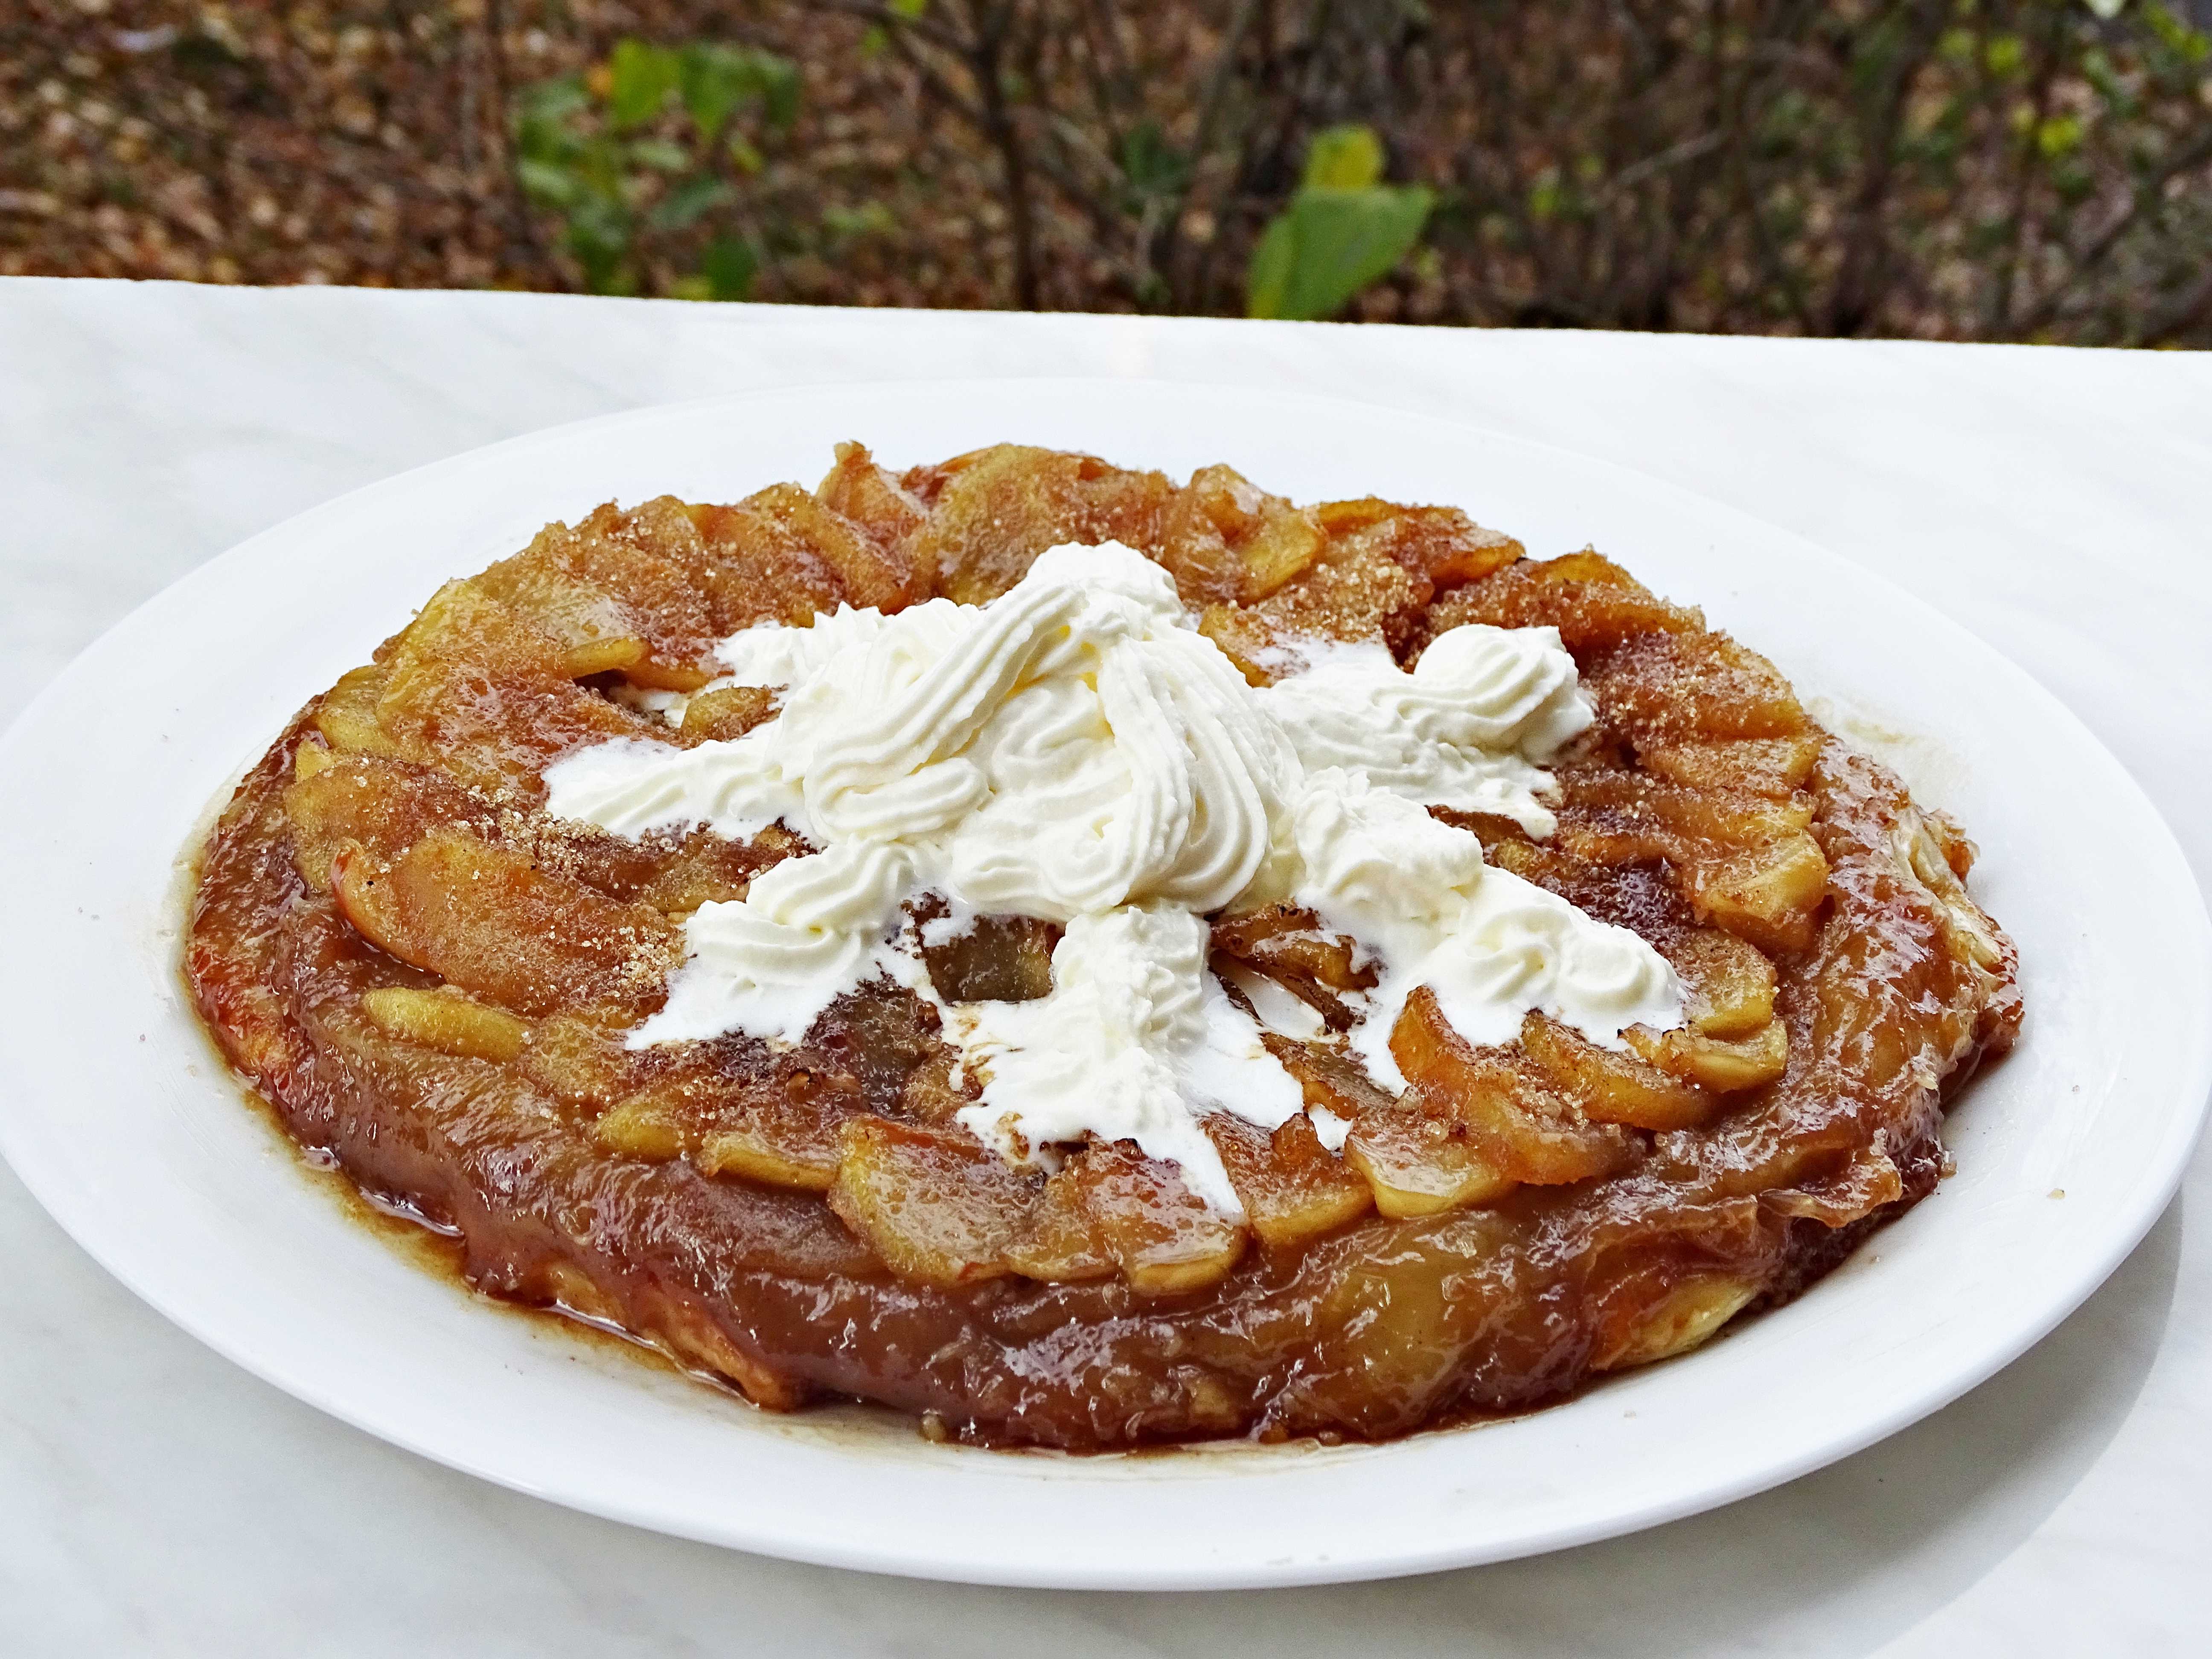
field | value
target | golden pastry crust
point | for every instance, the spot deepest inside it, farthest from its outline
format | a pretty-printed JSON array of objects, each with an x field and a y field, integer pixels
[{"x": 428, "y": 978}]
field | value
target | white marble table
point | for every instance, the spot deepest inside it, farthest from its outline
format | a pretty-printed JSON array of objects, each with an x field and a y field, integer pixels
[{"x": 156, "y": 1500}]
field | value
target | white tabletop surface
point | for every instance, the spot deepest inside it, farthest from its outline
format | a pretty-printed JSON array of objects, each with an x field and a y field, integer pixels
[{"x": 154, "y": 1499}]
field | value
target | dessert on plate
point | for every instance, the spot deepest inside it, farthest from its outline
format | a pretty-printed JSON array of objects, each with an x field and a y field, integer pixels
[{"x": 1088, "y": 960}]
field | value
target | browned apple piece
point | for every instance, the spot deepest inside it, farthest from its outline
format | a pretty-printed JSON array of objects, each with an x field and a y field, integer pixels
[
  {"x": 444, "y": 1020},
  {"x": 311, "y": 758},
  {"x": 484, "y": 694},
  {"x": 1594, "y": 603},
  {"x": 486, "y": 919},
  {"x": 1611, "y": 1088},
  {"x": 1728, "y": 983},
  {"x": 937, "y": 1206},
  {"x": 581, "y": 1062},
  {"x": 1686, "y": 1314},
  {"x": 1439, "y": 545},
  {"x": 649, "y": 1126},
  {"x": 760, "y": 569},
  {"x": 1328, "y": 1077},
  {"x": 711, "y": 869},
  {"x": 384, "y": 805},
  {"x": 1226, "y": 539},
  {"x": 1055, "y": 1242},
  {"x": 1354, "y": 594},
  {"x": 1416, "y": 1165},
  {"x": 992, "y": 512},
  {"x": 793, "y": 1150},
  {"x": 1715, "y": 1063},
  {"x": 611, "y": 602},
  {"x": 1286, "y": 943},
  {"x": 1777, "y": 767},
  {"x": 347, "y": 715},
  {"x": 1529, "y": 1130},
  {"x": 1163, "y": 1236},
  {"x": 869, "y": 575},
  {"x": 1609, "y": 795},
  {"x": 874, "y": 503},
  {"x": 726, "y": 712},
  {"x": 997, "y": 960},
  {"x": 1293, "y": 1189},
  {"x": 929, "y": 1095},
  {"x": 1680, "y": 688},
  {"x": 1768, "y": 894}
]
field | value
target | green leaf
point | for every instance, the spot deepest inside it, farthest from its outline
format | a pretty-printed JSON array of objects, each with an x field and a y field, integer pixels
[
  {"x": 1274, "y": 262},
  {"x": 711, "y": 81},
  {"x": 1331, "y": 243},
  {"x": 909, "y": 9},
  {"x": 729, "y": 267},
  {"x": 1348, "y": 157},
  {"x": 642, "y": 78},
  {"x": 686, "y": 203},
  {"x": 1152, "y": 166},
  {"x": 747, "y": 159},
  {"x": 548, "y": 184},
  {"x": 660, "y": 155},
  {"x": 779, "y": 88},
  {"x": 551, "y": 100}
]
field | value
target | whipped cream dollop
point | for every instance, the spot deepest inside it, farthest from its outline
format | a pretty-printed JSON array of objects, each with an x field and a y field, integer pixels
[{"x": 1076, "y": 750}]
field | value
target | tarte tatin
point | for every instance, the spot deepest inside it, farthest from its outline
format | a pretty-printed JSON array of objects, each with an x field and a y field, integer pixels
[{"x": 471, "y": 1001}]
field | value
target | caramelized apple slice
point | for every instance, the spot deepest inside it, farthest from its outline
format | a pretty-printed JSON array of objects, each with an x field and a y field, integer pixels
[
  {"x": 1776, "y": 767},
  {"x": 1611, "y": 1088},
  {"x": 1530, "y": 1131},
  {"x": 997, "y": 960},
  {"x": 1440, "y": 545},
  {"x": 486, "y": 919},
  {"x": 1055, "y": 1242},
  {"x": 484, "y": 694},
  {"x": 992, "y": 512},
  {"x": 1287, "y": 943},
  {"x": 1731, "y": 817},
  {"x": 1355, "y": 593},
  {"x": 1714, "y": 1063},
  {"x": 1291, "y": 1188},
  {"x": 868, "y": 573},
  {"x": 611, "y": 602},
  {"x": 939, "y": 1207},
  {"x": 1683, "y": 688},
  {"x": 347, "y": 715},
  {"x": 1416, "y": 1165},
  {"x": 444, "y": 1020},
  {"x": 790, "y": 1148},
  {"x": 875, "y": 503},
  {"x": 709, "y": 868},
  {"x": 1728, "y": 983},
  {"x": 929, "y": 1093},
  {"x": 760, "y": 569},
  {"x": 1688, "y": 1314},
  {"x": 725, "y": 714},
  {"x": 1594, "y": 603},
  {"x": 1768, "y": 894},
  {"x": 579, "y": 1061},
  {"x": 384, "y": 805},
  {"x": 1163, "y": 1236}
]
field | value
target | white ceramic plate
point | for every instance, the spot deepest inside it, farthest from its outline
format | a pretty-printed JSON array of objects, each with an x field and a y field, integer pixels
[{"x": 118, "y": 1120}]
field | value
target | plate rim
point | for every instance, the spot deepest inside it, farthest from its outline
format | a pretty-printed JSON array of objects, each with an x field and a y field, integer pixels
[{"x": 2147, "y": 1199}]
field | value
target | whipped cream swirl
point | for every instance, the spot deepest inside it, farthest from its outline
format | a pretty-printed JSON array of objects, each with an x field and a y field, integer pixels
[{"x": 1076, "y": 750}]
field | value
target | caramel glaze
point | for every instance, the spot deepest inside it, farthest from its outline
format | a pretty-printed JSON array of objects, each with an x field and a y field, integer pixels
[{"x": 1374, "y": 1331}]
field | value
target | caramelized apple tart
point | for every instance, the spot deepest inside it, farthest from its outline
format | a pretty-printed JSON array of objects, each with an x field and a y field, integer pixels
[{"x": 1089, "y": 960}]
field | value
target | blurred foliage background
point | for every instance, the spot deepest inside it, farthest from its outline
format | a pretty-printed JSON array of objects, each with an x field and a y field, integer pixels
[{"x": 1961, "y": 169}]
